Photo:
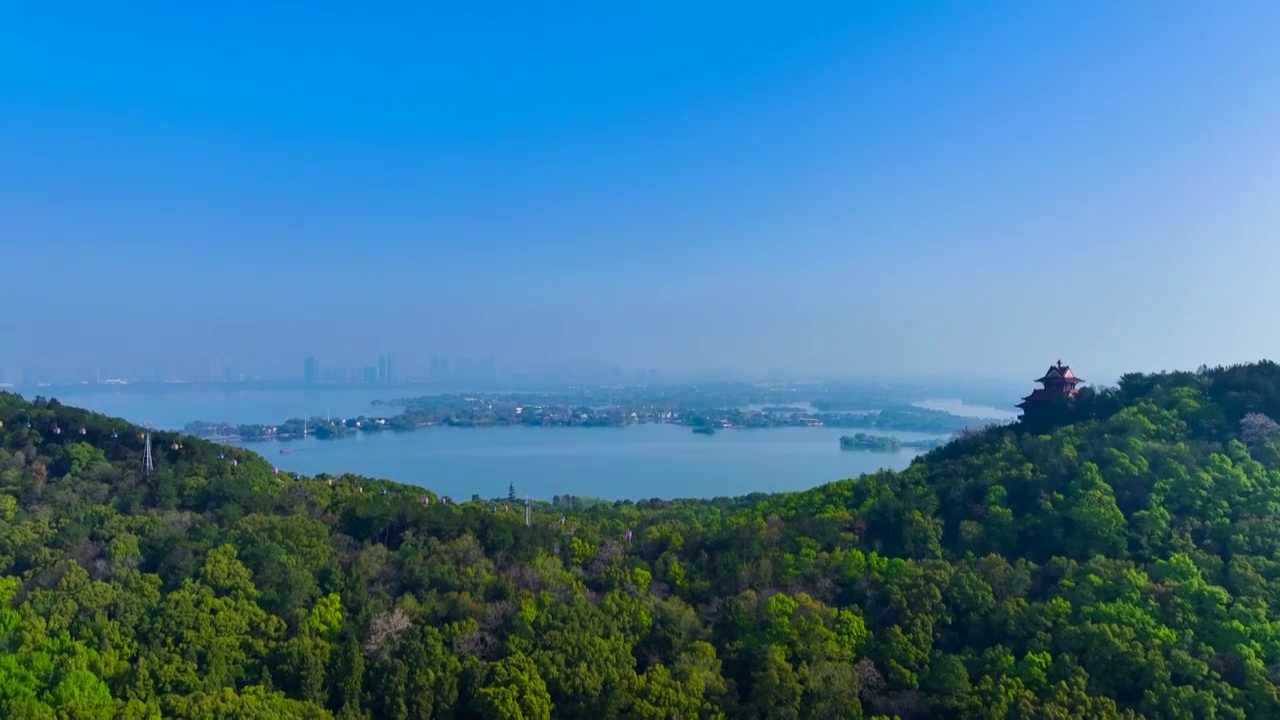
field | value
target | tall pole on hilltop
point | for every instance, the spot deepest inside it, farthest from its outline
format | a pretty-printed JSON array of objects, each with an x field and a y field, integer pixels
[{"x": 147, "y": 464}]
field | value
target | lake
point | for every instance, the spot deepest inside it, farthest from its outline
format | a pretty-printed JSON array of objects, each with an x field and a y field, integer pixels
[
  {"x": 637, "y": 461},
  {"x": 633, "y": 462}
]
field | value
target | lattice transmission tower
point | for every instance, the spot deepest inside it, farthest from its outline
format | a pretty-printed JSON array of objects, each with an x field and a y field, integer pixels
[{"x": 147, "y": 464}]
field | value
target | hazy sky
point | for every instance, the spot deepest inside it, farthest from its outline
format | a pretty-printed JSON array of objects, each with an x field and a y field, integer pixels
[{"x": 969, "y": 188}]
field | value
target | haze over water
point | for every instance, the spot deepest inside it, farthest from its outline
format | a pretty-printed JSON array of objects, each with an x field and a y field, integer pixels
[{"x": 173, "y": 410}]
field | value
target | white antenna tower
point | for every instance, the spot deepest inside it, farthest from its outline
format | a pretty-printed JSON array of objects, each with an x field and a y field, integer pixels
[
  {"x": 527, "y": 507},
  {"x": 147, "y": 465}
]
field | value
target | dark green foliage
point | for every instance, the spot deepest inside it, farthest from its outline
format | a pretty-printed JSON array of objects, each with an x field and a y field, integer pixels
[{"x": 1115, "y": 557}]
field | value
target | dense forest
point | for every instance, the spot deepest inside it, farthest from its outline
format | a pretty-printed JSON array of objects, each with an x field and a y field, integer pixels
[{"x": 1118, "y": 556}]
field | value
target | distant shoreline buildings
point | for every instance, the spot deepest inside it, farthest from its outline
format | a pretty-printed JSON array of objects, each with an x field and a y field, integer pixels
[{"x": 380, "y": 373}]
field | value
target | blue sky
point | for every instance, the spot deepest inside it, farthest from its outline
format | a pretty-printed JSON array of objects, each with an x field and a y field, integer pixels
[{"x": 846, "y": 188}]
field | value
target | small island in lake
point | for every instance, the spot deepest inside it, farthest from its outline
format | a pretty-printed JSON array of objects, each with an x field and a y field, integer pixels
[
  {"x": 705, "y": 430},
  {"x": 885, "y": 443},
  {"x": 863, "y": 441}
]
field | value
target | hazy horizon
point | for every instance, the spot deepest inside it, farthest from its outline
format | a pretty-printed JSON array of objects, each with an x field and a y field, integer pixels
[
  {"x": 866, "y": 190},
  {"x": 951, "y": 386}
]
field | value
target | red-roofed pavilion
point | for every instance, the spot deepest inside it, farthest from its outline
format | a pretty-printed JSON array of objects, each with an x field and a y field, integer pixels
[{"x": 1057, "y": 382}]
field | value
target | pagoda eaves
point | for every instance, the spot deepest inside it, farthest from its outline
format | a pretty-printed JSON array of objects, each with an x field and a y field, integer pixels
[{"x": 1058, "y": 381}]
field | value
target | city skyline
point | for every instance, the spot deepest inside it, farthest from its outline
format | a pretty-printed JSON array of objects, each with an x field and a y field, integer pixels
[
  {"x": 314, "y": 369},
  {"x": 468, "y": 372}
]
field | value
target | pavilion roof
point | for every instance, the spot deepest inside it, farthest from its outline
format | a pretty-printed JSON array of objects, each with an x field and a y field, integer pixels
[{"x": 1059, "y": 371}]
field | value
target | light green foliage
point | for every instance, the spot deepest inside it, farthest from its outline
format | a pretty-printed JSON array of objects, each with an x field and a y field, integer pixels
[
  {"x": 8, "y": 507},
  {"x": 224, "y": 572},
  {"x": 326, "y": 616},
  {"x": 642, "y": 578},
  {"x": 512, "y": 690},
  {"x": 851, "y": 633},
  {"x": 85, "y": 458},
  {"x": 1096, "y": 525},
  {"x": 252, "y": 702}
]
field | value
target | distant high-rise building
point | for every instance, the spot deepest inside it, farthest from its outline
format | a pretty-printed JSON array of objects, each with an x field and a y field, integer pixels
[
  {"x": 310, "y": 370},
  {"x": 371, "y": 374},
  {"x": 384, "y": 369},
  {"x": 439, "y": 367}
]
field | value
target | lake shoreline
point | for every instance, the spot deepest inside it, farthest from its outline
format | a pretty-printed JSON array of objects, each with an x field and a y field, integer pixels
[{"x": 288, "y": 438}]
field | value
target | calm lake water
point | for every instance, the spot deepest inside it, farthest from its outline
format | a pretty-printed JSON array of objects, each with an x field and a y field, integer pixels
[
  {"x": 638, "y": 461},
  {"x": 635, "y": 462}
]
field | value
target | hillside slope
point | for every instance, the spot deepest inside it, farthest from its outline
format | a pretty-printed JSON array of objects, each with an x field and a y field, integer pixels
[{"x": 1115, "y": 558}]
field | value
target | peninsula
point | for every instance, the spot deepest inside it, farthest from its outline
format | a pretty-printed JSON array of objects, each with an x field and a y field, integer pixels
[{"x": 692, "y": 406}]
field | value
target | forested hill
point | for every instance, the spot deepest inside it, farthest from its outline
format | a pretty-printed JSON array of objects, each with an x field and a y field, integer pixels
[{"x": 1115, "y": 558}]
